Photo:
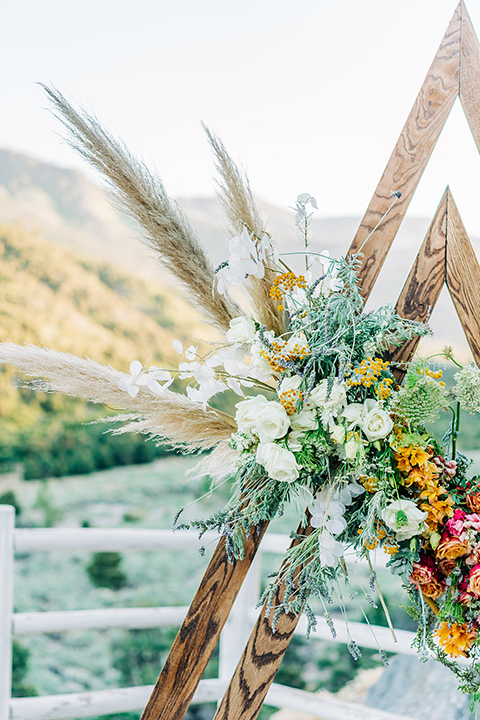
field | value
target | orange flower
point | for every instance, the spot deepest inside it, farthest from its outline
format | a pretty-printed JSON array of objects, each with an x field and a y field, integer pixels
[
  {"x": 473, "y": 586},
  {"x": 451, "y": 547},
  {"x": 455, "y": 638},
  {"x": 418, "y": 456},
  {"x": 473, "y": 502}
]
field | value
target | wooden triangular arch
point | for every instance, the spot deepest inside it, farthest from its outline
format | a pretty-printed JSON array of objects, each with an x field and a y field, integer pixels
[{"x": 446, "y": 256}]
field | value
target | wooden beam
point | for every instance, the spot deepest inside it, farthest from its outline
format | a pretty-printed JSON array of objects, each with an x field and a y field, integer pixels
[
  {"x": 199, "y": 632},
  {"x": 261, "y": 658},
  {"x": 425, "y": 281},
  {"x": 410, "y": 155},
  {"x": 463, "y": 277},
  {"x": 470, "y": 74}
]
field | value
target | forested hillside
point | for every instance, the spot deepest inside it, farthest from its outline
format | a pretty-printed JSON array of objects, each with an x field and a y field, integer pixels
[{"x": 53, "y": 297}]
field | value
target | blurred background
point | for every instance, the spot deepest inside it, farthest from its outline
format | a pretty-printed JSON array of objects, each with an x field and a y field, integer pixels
[{"x": 308, "y": 97}]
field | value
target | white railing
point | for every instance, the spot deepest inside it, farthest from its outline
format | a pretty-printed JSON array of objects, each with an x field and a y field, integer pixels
[{"x": 233, "y": 638}]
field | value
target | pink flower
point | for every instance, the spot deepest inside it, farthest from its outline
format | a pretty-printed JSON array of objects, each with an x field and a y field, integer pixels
[
  {"x": 455, "y": 526},
  {"x": 472, "y": 521}
]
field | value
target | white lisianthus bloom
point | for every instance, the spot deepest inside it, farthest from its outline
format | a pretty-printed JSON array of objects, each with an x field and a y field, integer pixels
[
  {"x": 405, "y": 518},
  {"x": 331, "y": 403},
  {"x": 337, "y": 433},
  {"x": 352, "y": 447},
  {"x": 279, "y": 462},
  {"x": 272, "y": 422},
  {"x": 304, "y": 420},
  {"x": 376, "y": 424},
  {"x": 294, "y": 440},
  {"x": 242, "y": 330},
  {"x": 247, "y": 412}
]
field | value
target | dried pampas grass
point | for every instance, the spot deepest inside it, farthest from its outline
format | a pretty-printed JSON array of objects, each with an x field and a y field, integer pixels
[
  {"x": 142, "y": 195},
  {"x": 237, "y": 201},
  {"x": 171, "y": 417}
]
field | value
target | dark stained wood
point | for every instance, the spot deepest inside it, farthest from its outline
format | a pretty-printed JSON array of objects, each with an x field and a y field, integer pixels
[
  {"x": 199, "y": 633},
  {"x": 424, "y": 283},
  {"x": 470, "y": 75},
  {"x": 410, "y": 155},
  {"x": 260, "y": 659},
  {"x": 463, "y": 277}
]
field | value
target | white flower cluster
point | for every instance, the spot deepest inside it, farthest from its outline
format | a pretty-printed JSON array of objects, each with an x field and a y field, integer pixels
[
  {"x": 327, "y": 511},
  {"x": 467, "y": 390}
]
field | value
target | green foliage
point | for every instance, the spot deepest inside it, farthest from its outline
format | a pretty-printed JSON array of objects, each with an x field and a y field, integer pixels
[
  {"x": 20, "y": 668},
  {"x": 51, "y": 514},
  {"x": 9, "y": 498},
  {"x": 104, "y": 571}
]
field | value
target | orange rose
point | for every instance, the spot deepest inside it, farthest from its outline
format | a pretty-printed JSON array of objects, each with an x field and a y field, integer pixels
[
  {"x": 425, "y": 574},
  {"x": 472, "y": 501},
  {"x": 451, "y": 547},
  {"x": 446, "y": 566},
  {"x": 473, "y": 584}
]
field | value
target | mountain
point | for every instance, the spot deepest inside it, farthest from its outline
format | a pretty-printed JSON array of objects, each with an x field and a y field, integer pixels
[
  {"x": 66, "y": 209},
  {"x": 54, "y": 297}
]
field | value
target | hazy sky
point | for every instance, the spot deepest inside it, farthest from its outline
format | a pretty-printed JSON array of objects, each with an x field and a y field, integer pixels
[{"x": 310, "y": 95}]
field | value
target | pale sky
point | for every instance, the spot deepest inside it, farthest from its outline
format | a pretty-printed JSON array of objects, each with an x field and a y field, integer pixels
[{"x": 309, "y": 95}]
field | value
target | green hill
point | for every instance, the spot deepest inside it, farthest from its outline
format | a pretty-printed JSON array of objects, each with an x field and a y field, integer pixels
[{"x": 53, "y": 297}]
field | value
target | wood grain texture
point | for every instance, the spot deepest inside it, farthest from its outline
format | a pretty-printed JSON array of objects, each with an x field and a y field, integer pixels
[
  {"x": 463, "y": 277},
  {"x": 424, "y": 283},
  {"x": 260, "y": 659},
  {"x": 199, "y": 633},
  {"x": 410, "y": 156},
  {"x": 470, "y": 74}
]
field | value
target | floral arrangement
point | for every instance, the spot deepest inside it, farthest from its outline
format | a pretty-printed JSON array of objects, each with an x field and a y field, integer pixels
[{"x": 322, "y": 418}]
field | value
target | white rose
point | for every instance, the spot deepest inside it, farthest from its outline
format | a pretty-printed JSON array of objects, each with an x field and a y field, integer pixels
[
  {"x": 337, "y": 433},
  {"x": 272, "y": 422},
  {"x": 304, "y": 420},
  {"x": 259, "y": 367},
  {"x": 247, "y": 412},
  {"x": 289, "y": 383},
  {"x": 279, "y": 463},
  {"x": 376, "y": 424},
  {"x": 332, "y": 403},
  {"x": 353, "y": 414},
  {"x": 404, "y": 517},
  {"x": 242, "y": 330}
]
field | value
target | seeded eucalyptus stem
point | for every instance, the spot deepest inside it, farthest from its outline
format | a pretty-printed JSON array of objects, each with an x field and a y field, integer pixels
[
  {"x": 382, "y": 601},
  {"x": 455, "y": 426}
]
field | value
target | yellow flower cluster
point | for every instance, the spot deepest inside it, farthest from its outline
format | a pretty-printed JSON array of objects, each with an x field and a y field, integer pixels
[
  {"x": 434, "y": 375},
  {"x": 455, "y": 638},
  {"x": 289, "y": 399},
  {"x": 368, "y": 373},
  {"x": 389, "y": 546},
  {"x": 279, "y": 355},
  {"x": 369, "y": 483},
  {"x": 283, "y": 283},
  {"x": 414, "y": 463}
]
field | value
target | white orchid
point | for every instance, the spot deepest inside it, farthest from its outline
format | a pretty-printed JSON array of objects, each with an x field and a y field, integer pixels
[{"x": 132, "y": 383}]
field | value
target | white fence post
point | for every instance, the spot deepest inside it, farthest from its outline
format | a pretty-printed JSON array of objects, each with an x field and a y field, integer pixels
[
  {"x": 239, "y": 624},
  {"x": 7, "y": 525}
]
